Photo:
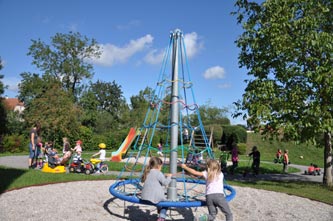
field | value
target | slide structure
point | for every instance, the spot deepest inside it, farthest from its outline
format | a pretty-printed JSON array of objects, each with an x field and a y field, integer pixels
[{"x": 117, "y": 155}]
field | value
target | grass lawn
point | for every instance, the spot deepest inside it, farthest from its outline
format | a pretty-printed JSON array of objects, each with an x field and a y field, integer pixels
[{"x": 19, "y": 178}]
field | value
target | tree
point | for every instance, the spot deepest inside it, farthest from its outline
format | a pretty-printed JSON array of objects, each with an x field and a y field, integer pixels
[
  {"x": 209, "y": 115},
  {"x": 213, "y": 115},
  {"x": 104, "y": 105},
  {"x": 139, "y": 106},
  {"x": 89, "y": 105},
  {"x": 3, "y": 118},
  {"x": 66, "y": 59},
  {"x": 56, "y": 112},
  {"x": 32, "y": 86},
  {"x": 109, "y": 97},
  {"x": 2, "y": 87},
  {"x": 287, "y": 48}
]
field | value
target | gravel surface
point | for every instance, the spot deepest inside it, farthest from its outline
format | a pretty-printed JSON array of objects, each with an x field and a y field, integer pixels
[{"x": 91, "y": 200}]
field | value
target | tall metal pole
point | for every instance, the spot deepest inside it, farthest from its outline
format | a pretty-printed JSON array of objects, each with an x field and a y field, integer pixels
[{"x": 172, "y": 189}]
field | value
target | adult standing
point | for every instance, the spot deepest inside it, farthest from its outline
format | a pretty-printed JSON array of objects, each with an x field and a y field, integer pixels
[
  {"x": 34, "y": 133},
  {"x": 256, "y": 160}
]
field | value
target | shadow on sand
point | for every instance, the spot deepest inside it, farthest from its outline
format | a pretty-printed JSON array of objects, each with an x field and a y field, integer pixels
[{"x": 129, "y": 211}]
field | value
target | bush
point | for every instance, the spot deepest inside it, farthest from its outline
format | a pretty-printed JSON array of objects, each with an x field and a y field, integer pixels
[
  {"x": 242, "y": 148},
  {"x": 233, "y": 134},
  {"x": 15, "y": 143}
]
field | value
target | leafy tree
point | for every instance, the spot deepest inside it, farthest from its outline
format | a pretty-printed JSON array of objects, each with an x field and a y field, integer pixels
[
  {"x": 139, "y": 106},
  {"x": 213, "y": 115},
  {"x": 2, "y": 87},
  {"x": 56, "y": 112},
  {"x": 210, "y": 116},
  {"x": 287, "y": 48},
  {"x": 15, "y": 124},
  {"x": 32, "y": 86},
  {"x": 109, "y": 97},
  {"x": 3, "y": 119},
  {"x": 104, "y": 105},
  {"x": 89, "y": 105},
  {"x": 66, "y": 59}
]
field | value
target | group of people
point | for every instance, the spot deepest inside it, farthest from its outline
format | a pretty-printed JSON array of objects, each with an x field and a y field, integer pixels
[
  {"x": 155, "y": 181},
  {"x": 255, "y": 154},
  {"x": 284, "y": 158},
  {"x": 39, "y": 153}
]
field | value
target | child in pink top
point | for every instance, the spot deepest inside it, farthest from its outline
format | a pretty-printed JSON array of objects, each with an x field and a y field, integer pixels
[{"x": 78, "y": 148}]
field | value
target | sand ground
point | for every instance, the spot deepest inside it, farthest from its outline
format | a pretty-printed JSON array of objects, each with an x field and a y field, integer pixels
[{"x": 91, "y": 200}]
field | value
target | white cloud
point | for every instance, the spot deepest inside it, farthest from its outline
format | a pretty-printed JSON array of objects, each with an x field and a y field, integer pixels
[
  {"x": 193, "y": 44},
  {"x": 112, "y": 54},
  {"x": 154, "y": 56},
  {"x": 215, "y": 72}
]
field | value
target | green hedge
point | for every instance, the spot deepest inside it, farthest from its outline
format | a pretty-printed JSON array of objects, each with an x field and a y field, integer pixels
[{"x": 233, "y": 134}]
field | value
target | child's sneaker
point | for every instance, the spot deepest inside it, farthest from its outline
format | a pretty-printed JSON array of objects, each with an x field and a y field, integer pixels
[{"x": 202, "y": 217}]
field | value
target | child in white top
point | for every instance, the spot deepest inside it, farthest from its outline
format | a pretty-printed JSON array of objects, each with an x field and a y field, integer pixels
[
  {"x": 214, "y": 189},
  {"x": 101, "y": 152}
]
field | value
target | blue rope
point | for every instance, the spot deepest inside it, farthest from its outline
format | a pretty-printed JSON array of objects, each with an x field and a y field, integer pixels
[{"x": 151, "y": 123}]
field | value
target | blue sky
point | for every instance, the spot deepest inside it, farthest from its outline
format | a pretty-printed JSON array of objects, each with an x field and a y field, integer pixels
[{"x": 138, "y": 32}]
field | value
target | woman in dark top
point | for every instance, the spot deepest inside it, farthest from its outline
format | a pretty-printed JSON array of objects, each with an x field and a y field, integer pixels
[{"x": 34, "y": 133}]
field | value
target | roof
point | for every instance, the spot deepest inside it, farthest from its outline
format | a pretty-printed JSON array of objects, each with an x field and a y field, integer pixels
[{"x": 12, "y": 103}]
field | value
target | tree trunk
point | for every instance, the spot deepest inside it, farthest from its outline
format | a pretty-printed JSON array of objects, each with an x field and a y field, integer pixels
[{"x": 327, "y": 179}]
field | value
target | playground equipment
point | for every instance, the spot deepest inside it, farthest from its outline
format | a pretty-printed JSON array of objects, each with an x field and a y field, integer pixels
[
  {"x": 53, "y": 169},
  {"x": 99, "y": 165},
  {"x": 173, "y": 116},
  {"x": 313, "y": 169},
  {"x": 117, "y": 155}
]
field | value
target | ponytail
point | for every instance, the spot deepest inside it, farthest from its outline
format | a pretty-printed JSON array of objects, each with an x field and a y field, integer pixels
[{"x": 154, "y": 162}]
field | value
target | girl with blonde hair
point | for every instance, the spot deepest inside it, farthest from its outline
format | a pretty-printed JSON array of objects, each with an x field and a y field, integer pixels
[{"x": 215, "y": 197}]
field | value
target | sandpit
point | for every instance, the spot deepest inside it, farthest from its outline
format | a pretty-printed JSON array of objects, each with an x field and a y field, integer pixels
[{"x": 91, "y": 200}]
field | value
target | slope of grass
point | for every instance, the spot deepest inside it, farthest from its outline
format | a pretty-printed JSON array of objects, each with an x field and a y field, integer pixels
[{"x": 268, "y": 149}]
